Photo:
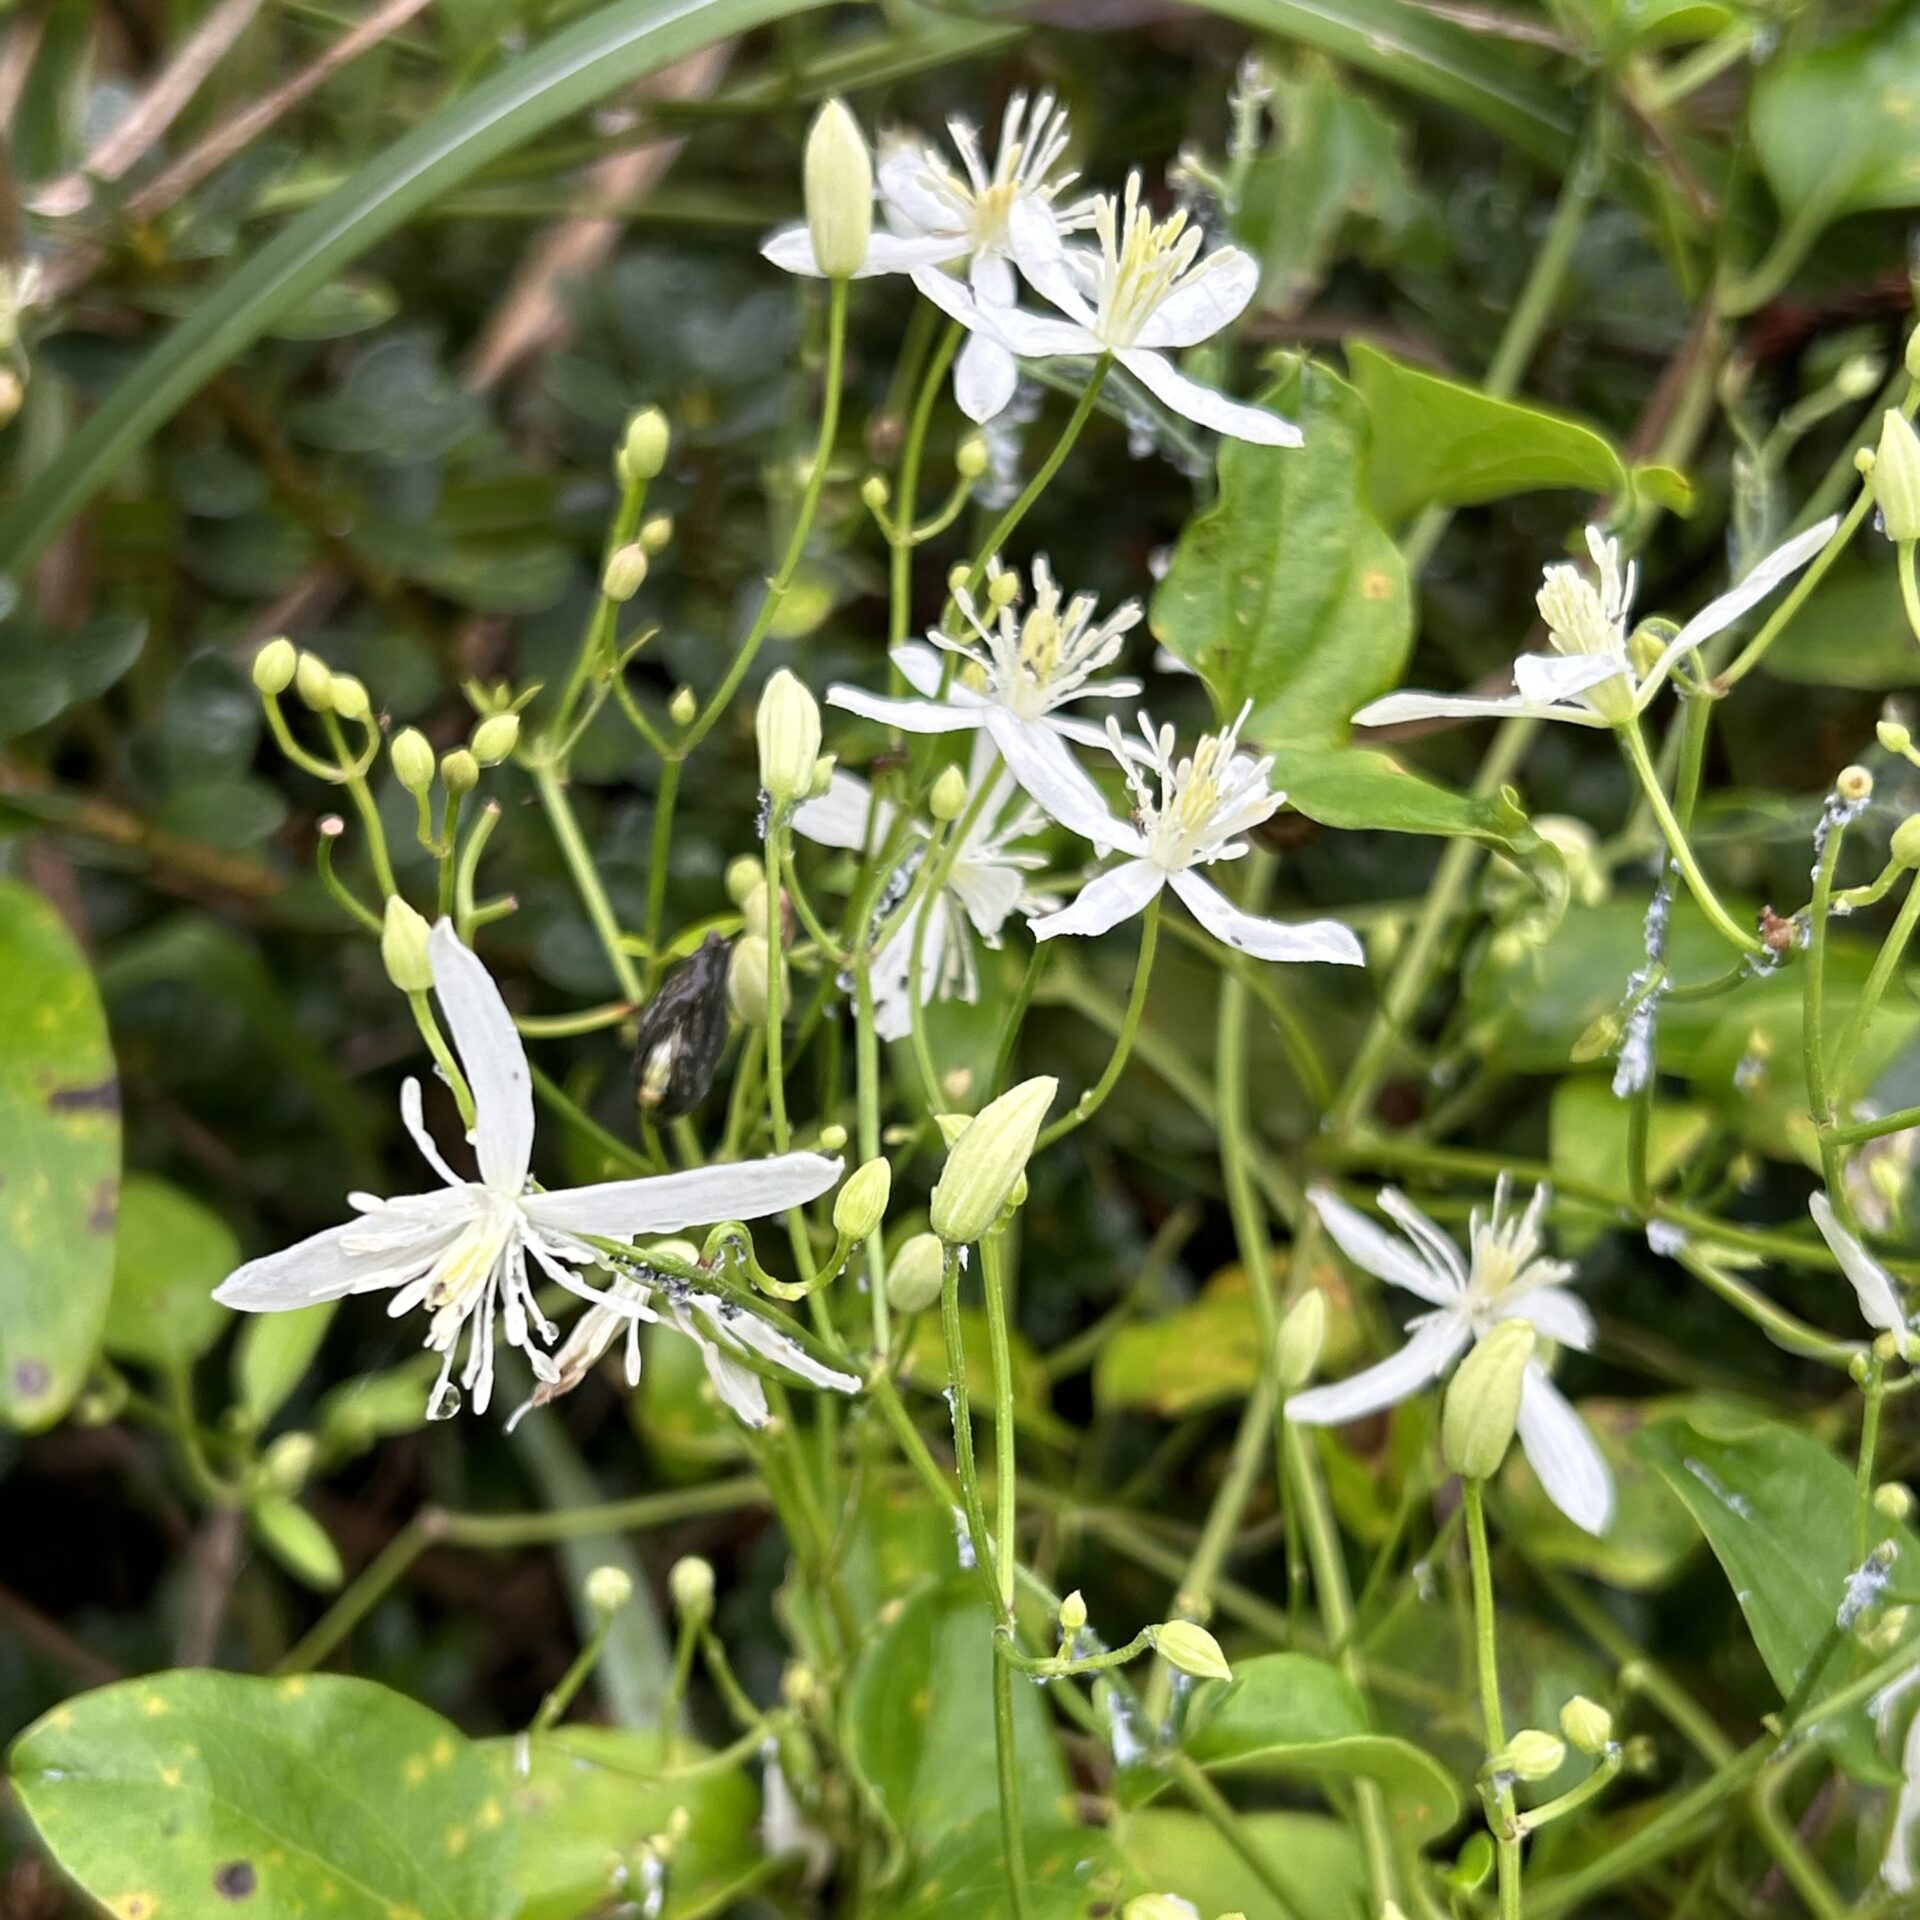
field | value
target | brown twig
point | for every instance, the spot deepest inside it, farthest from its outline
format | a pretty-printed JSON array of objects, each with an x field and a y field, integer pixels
[
  {"x": 216, "y": 1560},
  {"x": 49, "y": 1637}
]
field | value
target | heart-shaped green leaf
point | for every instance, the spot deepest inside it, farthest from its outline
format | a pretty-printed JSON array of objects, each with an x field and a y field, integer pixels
[
  {"x": 173, "y": 1251},
  {"x": 1357, "y": 788}
]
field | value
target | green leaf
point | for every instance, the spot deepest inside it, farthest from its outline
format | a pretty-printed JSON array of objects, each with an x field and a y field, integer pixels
[
  {"x": 1437, "y": 442},
  {"x": 587, "y": 1798},
  {"x": 1587, "y": 1129},
  {"x": 1291, "y": 1714},
  {"x": 1850, "y": 632},
  {"x": 1073, "y": 1873},
  {"x": 59, "y": 1162},
  {"x": 45, "y": 670},
  {"x": 184, "y": 1792},
  {"x": 1356, "y": 787},
  {"x": 1286, "y": 591},
  {"x": 271, "y": 1354},
  {"x": 1317, "y": 1860},
  {"x": 172, "y": 1253},
  {"x": 298, "y": 1541},
  {"x": 920, "y": 1715},
  {"x": 1195, "y": 1357}
]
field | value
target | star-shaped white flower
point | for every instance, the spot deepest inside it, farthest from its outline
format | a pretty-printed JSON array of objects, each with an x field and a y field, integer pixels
[
  {"x": 1505, "y": 1279},
  {"x": 1144, "y": 290},
  {"x": 1018, "y": 671},
  {"x": 1876, "y": 1289},
  {"x": 1590, "y": 678},
  {"x": 987, "y": 881},
  {"x": 462, "y": 1252},
  {"x": 1201, "y": 806}
]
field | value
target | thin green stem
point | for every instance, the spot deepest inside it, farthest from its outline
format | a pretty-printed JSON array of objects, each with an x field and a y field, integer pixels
[
  {"x": 1633, "y": 744},
  {"x": 1814, "y": 1005},
  {"x": 423, "y": 1018},
  {"x": 900, "y": 560},
  {"x": 1219, "y": 1813},
  {"x": 993, "y": 1281},
  {"x": 1909, "y": 586},
  {"x": 1486, "y": 1660},
  {"x": 1095, "y": 1097},
  {"x": 1873, "y": 1392},
  {"x": 586, "y": 876},
  {"x": 1892, "y": 950}
]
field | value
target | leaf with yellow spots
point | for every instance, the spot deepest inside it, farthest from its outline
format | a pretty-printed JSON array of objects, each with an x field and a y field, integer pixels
[{"x": 186, "y": 1796}]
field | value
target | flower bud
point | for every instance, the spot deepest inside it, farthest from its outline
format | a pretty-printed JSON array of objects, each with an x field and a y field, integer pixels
[
  {"x": 1531, "y": 1755},
  {"x": 914, "y": 1278},
  {"x": 656, "y": 531},
  {"x": 987, "y": 1161},
  {"x": 1892, "y": 1501},
  {"x": 690, "y": 1587},
  {"x": 287, "y": 1462},
  {"x": 313, "y": 682},
  {"x": 1473, "y": 1865},
  {"x": 608, "y": 1589},
  {"x": 753, "y": 909},
  {"x": 626, "y": 570},
  {"x": 948, "y": 800},
  {"x": 1896, "y": 477},
  {"x": 861, "y": 1203},
  {"x": 273, "y": 667},
  {"x": 747, "y": 981},
  {"x": 787, "y": 727},
  {"x": 13, "y": 394},
  {"x": 822, "y": 775},
  {"x": 682, "y": 707},
  {"x": 495, "y": 738},
  {"x": 1853, "y": 784},
  {"x": 1483, "y": 1402},
  {"x": 744, "y": 876},
  {"x": 1303, "y": 1332},
  {"x": 1587, "y": 1725},
  {"x": 350, "y": 700},
  {"x": 459, "y": 771},
  {"x": 1159, "y": 1906},
  {"x": 1191, "y": 1649},
  {"x": 412, "y": 759},
  {"x": 1905, "y": 844},
  {"x": 1859, "y": 374},
  {"x": 1893, "y": 736},
  {"x": 838, "y": 176},
  {"x": 1073, "y": 1614},
  {"x": 1913, "y": 354},
  {"x": 643, "y": 452},
  {"x": 970, "y": 457},
  {"x": 403, "y": 947},
  {"x": 874, "y": 493}
]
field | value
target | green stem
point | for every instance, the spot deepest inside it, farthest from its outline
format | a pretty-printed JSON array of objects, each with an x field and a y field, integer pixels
[
  {"x": 1633, "y": 744},
  {"x": 776, "y": 993},
  {"x": 1874, "y": 1392},
  {"x": 993, "y": 1281},
  {"x": 900, "y": 560},
  {"x": 664, "y": 798},
  {"x": 1909, "y": 586},
  {"x": 586, "y": 877},
  {"x": 443, "y": 1056},
  {"x": 1095, "y": 1097},
  {"x": 1486, "y": 1658},
  {"x": 1892, "y": 950},
  {"x": 1814, "y": 1010}
]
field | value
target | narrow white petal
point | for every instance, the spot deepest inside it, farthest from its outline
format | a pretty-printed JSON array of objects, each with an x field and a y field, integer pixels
[
  {"x": 791, "y": 250},
  {"x": 1375, "y": 1251},
  {"x": 1552, "y": 1311},
  {"x": 1776, "y": 567},
  {"x": 910, "y": 716},
  {"x": 1103, "y": 902},
  {"x": 1559, "y": 676},
  {"x": 1033, "y": 232},
  {"x": 1204, "y": 405},
  {"x": 491, "y": 1056},
  {"x": 1563, "y": 1454},
  {"x": 1037, "y": 757},
  {"x": 324, "y": 1267},
  {"x": 749, "y": 1331},
  {"x": 1443, "y": 1256},
  {"x": 414, "y": 1119},
  {"x": 989, "y": 892},
  {"x": 846, "y": 815},
  {"x": 1429, "y": 1351},
  {"x": 922, "y": 667},
  {"x": 1325, "y": 940},
  {"x": 667, "y": 1202},
  {"x": 992, "y": 277},
  {"x": 908, "y": 252},
  {"x": 1879, "y": 1298},
  {"x": 1398, "y": 708},
  {"x": 1211, "y": 298},
  {"x": 984, "y": 378}
]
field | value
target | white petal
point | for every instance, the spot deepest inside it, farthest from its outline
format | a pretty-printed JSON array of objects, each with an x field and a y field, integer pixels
[
  {"x": 992, "y": 277},
  {"x": 908, "y": 252},
  {"x": 738, "y": 1387},
  {"x": 1211, "y": 297},
  {"x": 988, "y": 891},
  {"x": 846, "y": 815},
  {"x": 1559, "y": 676},
  {"x": 922, "y": 667},
  {"x": 910, "y": 716},
  {"x": 1429, "y": 1351},
  {"x": 667, "y": 1202},
  {"x": 1033, "y": 232},
  {"x": 1879, "y": 1299},
  {"x": 902, "y": 177},
  {"x": 984, "y": 378},
  {"x": 414, "y": 1120},
  {"x": 1103, "y": 902},
  {"x": 749, "y": 1331},
  {"x": 1771, "y": 571},
  {"x": 1553, "y": 1312},
  {"x": 1425, "y": 1235},
  {"x": 491, "y": 1056},
  {"x": 1037, "y": 758},
  {"x": 1563, "y": 1454},
  {"x": 1204, "y": 405},
  {"x": 321, "y": 1267},
  {"x": 1379, "y": 1253},
  {"x": 1327, "y": 940},
  {"x": 1398, "y": 708},
  {"x": 791, "y": 250}
]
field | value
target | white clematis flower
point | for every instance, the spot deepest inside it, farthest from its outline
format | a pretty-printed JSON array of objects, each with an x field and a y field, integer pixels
[
  {"x": 987, "y": 881},
  {"x": 1505, "y": 1279},
  {"x": 1590, "y": 677},
  {"x": 1144, "y": 290},
  {"x": 462, "y": 1252},
  {"x": 1876, "y": 1288},
  {"x": 1202, "y": 806},
  {"x": 1019, "y": 670}
]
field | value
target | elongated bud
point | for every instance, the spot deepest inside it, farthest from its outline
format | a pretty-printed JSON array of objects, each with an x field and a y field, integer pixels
[
  {"x": 656, "y": 533},
  {"x": 682, "y": 707},
  {"x": 948, "y": 800},
  {"x": 626, "y": 572},
  {"x": 1896, "y": 477},
  {"x": 643, "y": 453},
  {"x": 1302, "y": 1334},
  {"x": 313, "y": 682},
  {"x": 987, "y": 1161},
  {"x": 861, "y": 1203},
  {"x": 1191, "y": 1649},
  {"x": 787, "y": 727},
  {"x": 970, "y": 457},
  {"x": 273, "y": 667},
  {"x": 690, "y": 1587},
  {"x": 747, "y": 981},
  {"x": 753, "y": 909},
  {"x": 838, "y": 177},
  {"x": 1073, "y": 1614},
  {"x": 1587, "y": 1725},
  {"x": 403, "y": 947},
  {"x": 1531, "y": 1755},
  {"x": 914, "y": 1278},
  {"x": 1905, "y": 845},
  {"x": 350, "y": 700},
  {"x": 1483, "y": 1402},
  {"x": 495, "y": 738},
  {"x": 608, "y": 1589},
  {"x": 1893, "y": 736},
  {"x": 459, "y": 771},
  {"x": 744, "y": 874},
  {"x": 288, "y": 1461},
  {"x": 412, "y": 759}
]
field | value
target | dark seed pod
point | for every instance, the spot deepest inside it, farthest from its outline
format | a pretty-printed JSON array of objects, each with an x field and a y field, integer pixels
[{"x": 682, "y": 1030}]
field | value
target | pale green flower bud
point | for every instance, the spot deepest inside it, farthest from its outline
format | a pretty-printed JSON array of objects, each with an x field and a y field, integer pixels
[
  {"x": 1587, "y": 1725},
  {"x": 1853, "y": 784},
  {"x": 313, "y": 682},
  {"x": 1893, "y": 736},
  {"x": 1896, "y": 477},
  {"x": 1531, "y": 1755},
  {"x": 1483, "y": 1402},
  {"x": 608, "y": 1589},
  {"x": 495, "y": 738},
  {"x": 1913, "y": 354},
  {"x": 874, "y": 493},
  {"x": 350, "y": 700},
  {"x": 861, "y": 1203},
  {"x": 625, "y": 573},
  {"x": 403, "y": 947},
  {"x": 1859, "y": 374},
  {"x": 682, "y": 707},
  {"x": 1303, "y": 1333},
  {"x": 288, "y": 1461},
  {"x": 690, "y": 1587},
  {"x": 754, "y": 908},
  {"x": 838, "y": 175},
  {"x": 1892, "y": 1501},
  {"x": 1905, "y": 845},
  {"x": 1159, "y": 1906},
  {"x": 273, "y": 667},
  {"x": 914, "y": 1278},
  {"x": 656, "y": 532},
  {"x": 13, "y": 394},
  {"x": 643, "y": 452},
  {"x": 787, "y": 727},
  {"x": 833, "y": 1138},
  {"x": 948, "y": 800},
  {"x": 745, "y": 875},
  {"x": 1191, "y": 1649},
  {"x": 970, "y": 457},
  {"x": 822, "y": 775},
  {"x": 459, "y": 771},
  {"x": 986, "y": 1163},
  {"x": 1073, "y": 1614},
  {"x": 747, "y": 981},
  {"x": 412, "y": 759}
]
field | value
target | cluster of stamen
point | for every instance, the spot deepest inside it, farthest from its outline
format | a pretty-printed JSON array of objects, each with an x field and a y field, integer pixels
[
  {"x": 1141, "y": 261},
  {"x": 1583, "y": 616},
  {"x": 1045, "y": 658},
  {"x": 1204, "y": 800}
]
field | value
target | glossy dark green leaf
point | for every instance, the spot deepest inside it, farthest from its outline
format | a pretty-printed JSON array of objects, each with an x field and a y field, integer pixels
[
  {"x": 172, "y": 1252},
  {"x": 59, "y": 1161}
]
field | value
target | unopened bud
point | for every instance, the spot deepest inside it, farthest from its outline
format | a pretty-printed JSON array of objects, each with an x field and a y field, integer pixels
[
  {"x": 412, "y": 759},
  {"x": 690, "y": 1587},
  {"x": 747, "y": 981},
  {"x": 1531, "y": 1755},
  {"x": 1892, "y": 1501},
  {"x": 273, "y": 667},
  {"x": 744, "y": 874},
  {"x": 1073, "y": 1614},
  {"x": 1896, "y": 477},
  {"x": 787, "y": 727},
  {"x": 643, "y": 452},
  {"x": 626, "y": 571},
  {"x": 754, "y": 908},
  {"x": 1003, "y": 589},
  {"x": 989, "y": 1158},
  {"x": 1853, "y": 784},
  {"x": 875, "y": 493},
  {"x": 350, "y": 700},
  {"x": 313, "y": 682},
  {"x": 1905, "y": 845},
  {"x": 495, "y": 738},
  {"x": 1859, "y": 374},
  {"x": 861, "y": 1203},
  {"x": 970, "y": 457},
  {"x": 656, "y": 533},
  {"x": 948, "y": 799},
  {"x": 459, "y": 771},
  {"x": 287, "y": 1462},
  {"x": 1598, "y": 1038},
  {"x": 1587, "y": 1725},
  {"x": 1893, "y": 736},
  {"x": 608, "y": 1589},
  {"x": 1482, "y": 1406},
  {"x": 1303, "y": 1332},
  {"x": 914, "y": 1278},
  {"x": 682, "y": 707},
  {"x": 822, "y": 775},
  {"x": 1191, "y": 1649},
  {"x": 403, "y": 947},
  {"x": 13, "y": 394},
  {"x": 833, "y": 1138},
  {"x": 838, "y": 176}
]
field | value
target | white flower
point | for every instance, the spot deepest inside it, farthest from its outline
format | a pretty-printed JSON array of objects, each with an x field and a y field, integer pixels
[
  {"x": 1505, "y": 1279},
  {"x": 1900, "y": 1869},
  {"x": 1590, "y": 678},
  {"x": 987, "y": 881},
  {"x": 1878, "y": 1292},
  {"x": 1203, "y": 804},
  {"x": 462, "y": 1252},
  {"x": 1144, "y": 290},
  {"x": 1027, "y": 668}
]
